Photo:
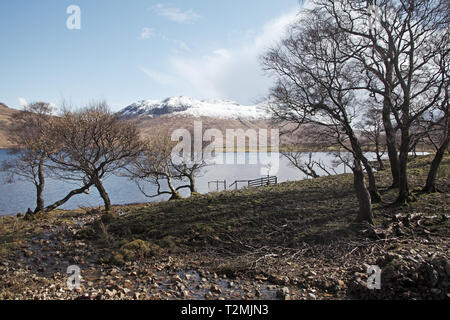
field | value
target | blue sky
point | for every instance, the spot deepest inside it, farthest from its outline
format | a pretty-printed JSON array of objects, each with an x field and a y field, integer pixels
[{"x": 138, "y": 49}]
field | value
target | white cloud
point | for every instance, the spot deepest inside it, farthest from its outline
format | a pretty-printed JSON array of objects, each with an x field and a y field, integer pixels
[
  {"x": 146, "y": 33},
  {"x": 22, "y": 102},
  {"x": 234, "y": 73},
  {"x": 176, "y": 14},
  {"x": 180, "y": 44},
  {"x": 161, "y": 78}
]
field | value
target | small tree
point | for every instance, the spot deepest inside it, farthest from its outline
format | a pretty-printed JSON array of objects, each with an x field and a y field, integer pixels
[
  {"x": 296, "y": 161},
  {"x": 308, "y": 167},
  {"x": 190, "y": 172},
  {"x": 372, "y": 129},
  {"x": 438, "y": 135},
  {"x": 155, "y": 166},
  {"x": 30, "y": 133},
  {"x": 93, "y": 143},
  {"x": 307, "y": 136}
]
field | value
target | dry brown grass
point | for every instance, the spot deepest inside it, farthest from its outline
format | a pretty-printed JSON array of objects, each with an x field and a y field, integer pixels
[
  {"x": 317, "y": 211},
  {"x": 5, "y": 120},
  {"x": 168, "y": 123}
]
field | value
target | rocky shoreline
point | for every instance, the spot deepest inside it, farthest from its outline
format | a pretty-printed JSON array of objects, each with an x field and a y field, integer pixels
[
  {"x": 292, "y": 241},
  {"x": 412, "y": 268}
]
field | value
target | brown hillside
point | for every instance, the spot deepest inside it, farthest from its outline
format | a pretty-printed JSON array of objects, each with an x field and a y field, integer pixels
[
  {"x": 169, "y": 123},
  {"x": 5, "y": 120},
  {"x": 165, "y": 123}
]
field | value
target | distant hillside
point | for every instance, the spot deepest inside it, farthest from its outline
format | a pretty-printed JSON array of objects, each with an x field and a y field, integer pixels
[
  {"x": 5, "y": 120},
  {"x": 169, "y": 123},
  {"x": 180, "y": 112}
]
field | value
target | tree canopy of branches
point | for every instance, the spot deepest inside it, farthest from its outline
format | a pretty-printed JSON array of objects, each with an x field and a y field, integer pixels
[
  {"x": 316, "y": 86},
  {"x": 308, "y": 167},
  {"x": 91, "y": 144},
  {"x": 155, "y": 166},
  {"x": 29, "y": 133},
  {"x": 372, "y": 129},
  {"x": 401, "y": 46},
  {"x": 437, "y": 129}
]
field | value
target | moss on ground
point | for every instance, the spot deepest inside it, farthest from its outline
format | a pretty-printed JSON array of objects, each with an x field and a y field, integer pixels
[
  {"x": 300, "y": 234},
  {"x": 15, "y": 232},
  {"x": 287, "y": 215}
]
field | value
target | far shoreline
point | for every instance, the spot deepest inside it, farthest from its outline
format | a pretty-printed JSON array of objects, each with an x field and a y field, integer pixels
[
  {"x": 14, "y": 214},
  {"x": 289, "y": 148}
]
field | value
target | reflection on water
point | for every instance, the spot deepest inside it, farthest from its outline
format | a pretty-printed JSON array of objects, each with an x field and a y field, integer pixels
[{"x": 19, "y": 196}]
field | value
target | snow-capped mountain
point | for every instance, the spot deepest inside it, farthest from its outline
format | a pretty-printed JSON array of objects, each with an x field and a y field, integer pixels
[{"x": 185, "y": 106}]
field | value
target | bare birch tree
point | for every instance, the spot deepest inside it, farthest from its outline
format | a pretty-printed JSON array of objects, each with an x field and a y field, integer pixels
[
  {"x": 399, "y": 44},
  {"x": 372, "y": 129},
  {"x": 92, "y": 144},
  {"x": 30, "y": 133},
  {"x": 316, "y": 86},
  {"x": 154, "y": 166}
]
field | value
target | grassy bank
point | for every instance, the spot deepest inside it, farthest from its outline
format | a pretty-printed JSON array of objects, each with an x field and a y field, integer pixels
[
  {"x": 320, "y": 210},
  {"x": 294, "y": 230},
  {"x": 294, "y": 240}
]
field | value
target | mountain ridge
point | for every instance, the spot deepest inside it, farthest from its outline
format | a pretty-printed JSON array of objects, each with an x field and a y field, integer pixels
[
  {"x": 185, "y": 106},
  {"x": 156, "y": 116}
]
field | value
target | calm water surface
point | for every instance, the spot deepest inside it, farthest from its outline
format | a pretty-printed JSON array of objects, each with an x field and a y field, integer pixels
[{"x": 19, "y": 196}]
